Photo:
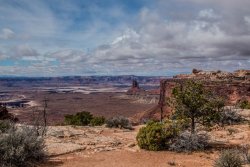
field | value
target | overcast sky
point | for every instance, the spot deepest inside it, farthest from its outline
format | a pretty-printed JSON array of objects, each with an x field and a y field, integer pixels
[{"x": 119, "y": 37}]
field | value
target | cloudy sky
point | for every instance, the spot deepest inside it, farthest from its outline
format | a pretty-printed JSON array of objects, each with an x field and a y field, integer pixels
[{"x": 119, "y": 37}]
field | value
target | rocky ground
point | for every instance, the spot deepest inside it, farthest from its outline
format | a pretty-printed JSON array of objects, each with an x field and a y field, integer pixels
[
  {"x": 100, "y": 146},
  {"x": 62, "y": 140}
]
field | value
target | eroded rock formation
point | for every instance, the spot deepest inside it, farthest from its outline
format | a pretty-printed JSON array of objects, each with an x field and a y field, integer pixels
[
  {"x": 231, "y": 86},
  {"x": 135, "y": 89}
]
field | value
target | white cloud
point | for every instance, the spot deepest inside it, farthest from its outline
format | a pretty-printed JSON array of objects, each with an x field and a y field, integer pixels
[
  {"x": 208, "y": 13},
  {"x": 247, "y": 20},
  {"x": 6, "y": 33},
  {"x": 23, "y": 50},
  {"x": 128, "y": 34},
  {"x": 159, "y": 38},
  {"x": 168, "y": 44},
  {"x": 68, "y": 56}
]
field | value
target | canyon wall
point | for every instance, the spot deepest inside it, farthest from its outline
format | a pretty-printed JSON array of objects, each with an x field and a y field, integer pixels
[{"x": 231, "y": 86}]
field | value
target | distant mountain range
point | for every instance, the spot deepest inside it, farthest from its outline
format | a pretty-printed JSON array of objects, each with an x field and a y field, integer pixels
[{"x": 78, "y": 80}]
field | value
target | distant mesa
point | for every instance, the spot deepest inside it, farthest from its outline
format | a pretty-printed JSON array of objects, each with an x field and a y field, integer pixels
[
  {"x": 242, "y": 75},
  {"x": 135, "y": 89}
]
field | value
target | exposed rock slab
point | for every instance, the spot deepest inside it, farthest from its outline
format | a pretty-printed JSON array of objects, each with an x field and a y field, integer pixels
[{"x": 67, "y": 139}]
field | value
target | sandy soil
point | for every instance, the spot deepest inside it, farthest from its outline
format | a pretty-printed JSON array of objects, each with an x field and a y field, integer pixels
[
  {"x": 124, "y": 158},
  {"x": 94, "y": 146},
  {"x": 93, "y": 149}
]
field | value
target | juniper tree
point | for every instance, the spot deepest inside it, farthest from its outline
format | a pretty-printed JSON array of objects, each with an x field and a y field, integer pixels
[{"x": 192, "y": 101}]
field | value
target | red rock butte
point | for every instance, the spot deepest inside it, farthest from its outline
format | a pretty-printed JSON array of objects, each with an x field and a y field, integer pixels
[{"x": 135, "y": 89}]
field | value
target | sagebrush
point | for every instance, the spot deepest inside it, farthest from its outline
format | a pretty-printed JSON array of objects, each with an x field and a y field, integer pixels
[
  {"x": 229, "y": 117},
  {"x": 21, "y": 147},
  {"x": 229, "y": 158},
  {"x": 188, "y": 142},
  {"x": 119, "y": 122}
]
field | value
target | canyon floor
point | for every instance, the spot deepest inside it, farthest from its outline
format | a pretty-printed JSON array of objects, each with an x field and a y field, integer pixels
[
  {"x": 107, "y": 104},
  {"x": 73, "y": 146}
]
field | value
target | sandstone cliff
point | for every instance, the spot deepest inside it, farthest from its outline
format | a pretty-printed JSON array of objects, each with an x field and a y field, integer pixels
[{"x": 232, "y": 86}]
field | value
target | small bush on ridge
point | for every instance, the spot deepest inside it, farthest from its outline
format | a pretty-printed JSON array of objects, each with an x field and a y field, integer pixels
[
  {"x": 229, "y": 158},
  {"x": 80, "y": 119},
  {"x": 119, "y": 122},
  {"x": 83, "y": 119},
  {"x": 97, "y": 121}
]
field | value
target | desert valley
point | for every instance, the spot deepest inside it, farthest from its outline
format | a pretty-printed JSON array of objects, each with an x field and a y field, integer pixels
[
  {"x": 124, "y": 83},
  {"x": 137, "y": 98}
]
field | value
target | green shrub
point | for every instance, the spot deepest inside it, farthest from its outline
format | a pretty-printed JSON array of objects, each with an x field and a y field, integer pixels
[
  {"x": 83, "y": 118},
  {"x": 5, "y": 125},
  {"x": 156, "y": 136},
  {"x": 229, "y": 158},
  {"x": 244, "y": 104},
  {"x": 97, "y": 121},
  {"x": 119, "y": 122},
  {"x": 152, "y": 137},
  {"x": 187, "y": 142},
  {"x": 21, "y": 148},
  {"x": 80, "y": 119}
]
